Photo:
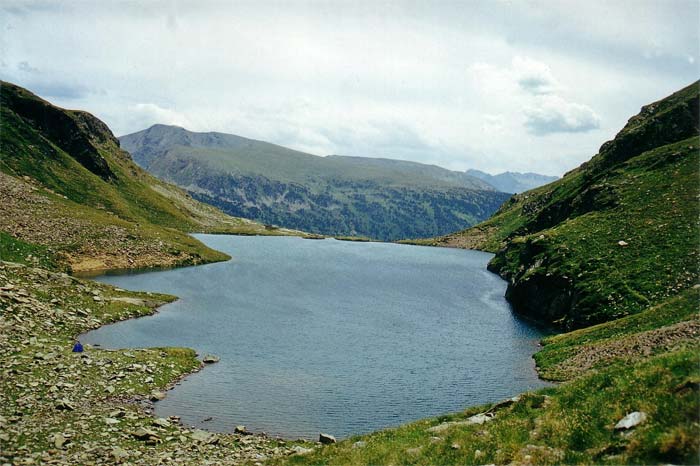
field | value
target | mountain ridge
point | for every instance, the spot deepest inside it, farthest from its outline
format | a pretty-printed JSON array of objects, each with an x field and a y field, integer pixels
[
  {"x": 143, "y": 145},
  {"x": 335, "y": 195},
  {"x": 513, "y": 182}
]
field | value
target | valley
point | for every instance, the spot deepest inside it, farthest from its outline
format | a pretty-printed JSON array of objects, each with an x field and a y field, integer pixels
[{"x": 607, "y": 255}]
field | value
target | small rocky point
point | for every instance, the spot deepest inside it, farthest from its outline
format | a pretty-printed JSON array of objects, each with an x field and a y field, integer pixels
[{"x": 210, "y": 359}]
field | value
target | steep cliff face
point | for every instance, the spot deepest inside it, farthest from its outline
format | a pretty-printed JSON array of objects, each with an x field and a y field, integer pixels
[
  {"x": 78, "y": 134},
  {"x": 613, "y": 236}
]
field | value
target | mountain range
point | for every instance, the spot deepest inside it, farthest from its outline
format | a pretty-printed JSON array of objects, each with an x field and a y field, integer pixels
[
  {"x": 335, "y": 195},
  {"x": 512, "y": 182}
]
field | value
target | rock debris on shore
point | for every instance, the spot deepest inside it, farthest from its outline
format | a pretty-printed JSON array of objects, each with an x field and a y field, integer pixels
[{"x": 59, "y": 407}]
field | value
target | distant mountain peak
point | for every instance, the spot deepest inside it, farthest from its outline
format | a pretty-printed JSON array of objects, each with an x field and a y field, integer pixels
[{"x": 513, "y": 182}]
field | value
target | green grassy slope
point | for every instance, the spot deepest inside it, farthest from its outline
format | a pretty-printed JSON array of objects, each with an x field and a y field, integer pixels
[
  {"x": 613, "y": 236},
  {"x": 335, "y": 195},
  {"x": 64, "y": 176}
]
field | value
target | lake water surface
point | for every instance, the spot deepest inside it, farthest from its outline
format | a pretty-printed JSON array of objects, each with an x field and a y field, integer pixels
[{"x": 332, "y": 336}]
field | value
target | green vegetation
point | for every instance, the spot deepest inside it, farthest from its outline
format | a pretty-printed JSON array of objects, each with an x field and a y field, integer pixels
[
  {"x": 614, "y": 236},
  {"x": 649, "y": 332},
  {"x": 345, "y": 196},
  {"x": 360, "y": 239},
  {"x": 14, "y": 250},
  {"x": 66, "y": 185}
]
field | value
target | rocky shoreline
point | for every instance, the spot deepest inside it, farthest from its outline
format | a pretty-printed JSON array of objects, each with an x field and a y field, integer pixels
[{"x": 60, "y": 407}]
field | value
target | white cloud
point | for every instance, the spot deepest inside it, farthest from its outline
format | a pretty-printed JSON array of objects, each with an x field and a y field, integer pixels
[
  {"x": 530, "y": 85},
  {"x": 553, "y": 114},
  {"x": 148, "y": 114},
  {"x": 462, "y": 84},
  {"x": 533, "y": 76}
]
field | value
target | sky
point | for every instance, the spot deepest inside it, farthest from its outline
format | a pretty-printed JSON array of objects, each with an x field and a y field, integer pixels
[{"x": 493, "y": 85}]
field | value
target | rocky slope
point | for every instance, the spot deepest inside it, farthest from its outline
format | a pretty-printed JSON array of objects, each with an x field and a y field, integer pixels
[
  {"x": 65, "y": 184},
  {"x": 94, "y": 407},
  {"x": 334, "y": 195}
]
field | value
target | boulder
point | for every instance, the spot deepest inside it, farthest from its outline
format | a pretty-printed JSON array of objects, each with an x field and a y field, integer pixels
[
  {"x": 631, "y": 420},
  {"x": 326, "y": 439},
  {"x": 210, "y": 359},
  {"x": 157, "y": 396},
  {"x": 145, "y": 434},
  {"x": 299, "y": 450},
  {"x": 64, "y": 405},
  {"x": 59, "y": 440},
  {"x": 476, "y": 419},
  {"x": 161, "y": 422},
  {"x": 204, "y": 437},
  {"x": 118, "y": 453}
]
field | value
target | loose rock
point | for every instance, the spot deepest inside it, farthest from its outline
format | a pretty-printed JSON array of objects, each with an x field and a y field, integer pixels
[
  {"x": 161, "y": 422},
  {"x": 299, "y": 450},
  {"x": 631, "y": 420}
]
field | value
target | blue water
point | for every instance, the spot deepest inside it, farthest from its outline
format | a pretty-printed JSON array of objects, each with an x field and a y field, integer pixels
[{"x": 332, "y": 336}]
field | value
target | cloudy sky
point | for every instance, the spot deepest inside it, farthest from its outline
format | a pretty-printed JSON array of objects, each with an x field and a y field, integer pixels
[{"x": 494, "y": 85}]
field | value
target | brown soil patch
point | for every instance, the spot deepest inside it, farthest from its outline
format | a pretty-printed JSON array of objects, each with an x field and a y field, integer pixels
[
  {"x": 474, "y": 238},
  {"x": 630, "y": 347}
]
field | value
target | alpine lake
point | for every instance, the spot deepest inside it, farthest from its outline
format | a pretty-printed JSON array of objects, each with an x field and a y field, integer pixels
[{"x": 331, "y": 336}]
